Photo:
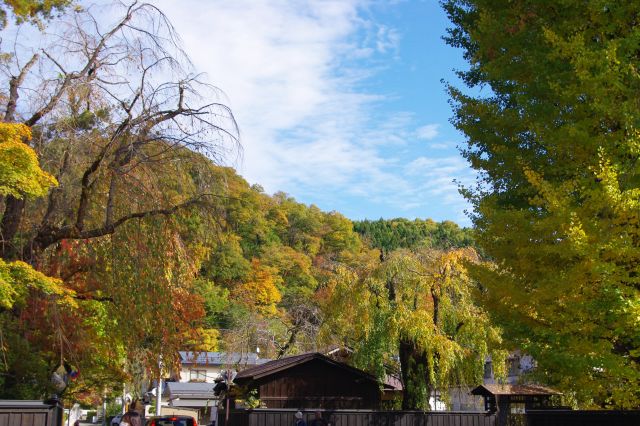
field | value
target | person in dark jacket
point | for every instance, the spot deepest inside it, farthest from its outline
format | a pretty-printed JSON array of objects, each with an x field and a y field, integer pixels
[{"x": 318, "y": 420}]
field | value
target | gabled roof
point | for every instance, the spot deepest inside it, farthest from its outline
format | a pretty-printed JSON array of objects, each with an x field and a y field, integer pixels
[
  {"x": 220, "y": 358},
  {"x": 513, "y": 390},
  {"x": 277, "y": 365}
]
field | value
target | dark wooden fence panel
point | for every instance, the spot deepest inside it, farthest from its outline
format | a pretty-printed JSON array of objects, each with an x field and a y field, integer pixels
[
  {"x": 583, "y": 418},
  {"x": 285, "y": 417},
  {"x": 30, "y": 413}
]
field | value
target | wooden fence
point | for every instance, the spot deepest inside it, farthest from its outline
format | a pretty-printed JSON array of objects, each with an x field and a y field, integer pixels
[
  {"x": 30, "y": 413},
  {"x": 583, "y": 418},
  {"x": 285, "y": 417}
]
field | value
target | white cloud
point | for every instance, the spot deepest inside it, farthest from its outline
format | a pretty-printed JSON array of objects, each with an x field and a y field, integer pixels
[
  {"x": 277, "y": 62},
  {"x": 291, "y": 73},
  {"x": 387, "y": 39},
  {"x": 439, "y": 146},
  {"x": 428, "y": 132},
  {"x": 440, "y": 176}
]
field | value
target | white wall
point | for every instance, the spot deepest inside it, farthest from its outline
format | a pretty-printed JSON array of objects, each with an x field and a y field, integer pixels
[
  {"x": 462, "y": 400},
  {"x": 211, "y": 372}
]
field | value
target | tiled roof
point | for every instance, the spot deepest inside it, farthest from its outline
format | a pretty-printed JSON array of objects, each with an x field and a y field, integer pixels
[
  {"x": 513, "y": 390},
  {"x": 220, "y": 358},
  {"x": 275, "y": 365},
  {"x": 392, "y": 382},
  {"x": 291, "y": 361}
]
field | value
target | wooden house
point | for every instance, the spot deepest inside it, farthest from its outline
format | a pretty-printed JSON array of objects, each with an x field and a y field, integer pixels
[
  {"x": 311, "y": 380},
  {"x": 506, "y": 399},
  {"x": 514, "y": 396}
]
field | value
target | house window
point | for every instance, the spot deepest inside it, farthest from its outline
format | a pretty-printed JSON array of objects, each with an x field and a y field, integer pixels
[
  {"x": 488, "y": 370},
  {"x": 197, "y": 375}
]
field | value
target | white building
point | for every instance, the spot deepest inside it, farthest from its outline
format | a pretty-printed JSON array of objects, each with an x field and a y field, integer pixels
[
  {"x": 191, "y": 387},
  {"x": 205, "y": 367}
]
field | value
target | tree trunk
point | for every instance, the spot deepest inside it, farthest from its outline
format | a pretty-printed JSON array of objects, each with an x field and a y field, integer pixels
[
  {"x": 414, "y": 363},
  {"x": 9, "y": 226}
]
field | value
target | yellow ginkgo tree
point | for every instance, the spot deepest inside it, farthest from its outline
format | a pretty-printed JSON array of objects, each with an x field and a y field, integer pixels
[{"x": 555, "y": 139}]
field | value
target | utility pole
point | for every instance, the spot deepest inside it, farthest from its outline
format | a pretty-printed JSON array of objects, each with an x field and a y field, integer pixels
[
  {"x": 104, "y": 410},
  {"x": 159, "y": 388},
  {"x": 124, "y": 398}
]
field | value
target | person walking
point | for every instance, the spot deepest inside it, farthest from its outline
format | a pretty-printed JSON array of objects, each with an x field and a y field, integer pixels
[
  {"x": 318, "y": 420},
  {"x": 299, "y": 419},
  {"x": 132, "y": 418}
]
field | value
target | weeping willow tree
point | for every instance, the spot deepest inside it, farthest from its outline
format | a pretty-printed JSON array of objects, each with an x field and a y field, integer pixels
[{"x": 419, "y": 307}]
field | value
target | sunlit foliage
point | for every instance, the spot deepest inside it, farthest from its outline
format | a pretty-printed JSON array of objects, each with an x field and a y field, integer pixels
[{"x": 554, "y": 135}]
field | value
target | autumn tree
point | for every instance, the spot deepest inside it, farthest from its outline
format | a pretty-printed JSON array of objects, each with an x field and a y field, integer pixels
[
  {"x": 21, "y": 176},
  {"x": 417, "y": 306},
  {"x": 555, "y": 138},
  {"x": 131, "y": 133},
  {"x": 117, "y": 99}
]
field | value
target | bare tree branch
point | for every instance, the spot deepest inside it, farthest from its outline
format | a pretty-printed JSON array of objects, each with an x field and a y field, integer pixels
[
  {"x": 14, "y": 85},
  {"x": 51, "y": 236}
]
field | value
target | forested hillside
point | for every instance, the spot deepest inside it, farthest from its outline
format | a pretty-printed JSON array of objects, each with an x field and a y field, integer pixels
[
  {"x": 237, "y": 271},
  {"x": 391, "y": 234}
]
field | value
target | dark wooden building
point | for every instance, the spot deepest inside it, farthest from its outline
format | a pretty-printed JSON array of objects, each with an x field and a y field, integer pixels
[
  {"x": 508, "y": 400},
  {"x": 524, "y": 396},
  {"x": 311, "y": 380},
  {"x": 30, "y": 413}
]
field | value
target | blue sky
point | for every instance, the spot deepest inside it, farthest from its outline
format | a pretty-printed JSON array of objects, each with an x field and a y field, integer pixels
[{"x": 339, "y": 103}]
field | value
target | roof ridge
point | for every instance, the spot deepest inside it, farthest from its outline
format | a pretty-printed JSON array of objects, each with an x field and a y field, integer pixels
[{"x": 283, "y": 363}]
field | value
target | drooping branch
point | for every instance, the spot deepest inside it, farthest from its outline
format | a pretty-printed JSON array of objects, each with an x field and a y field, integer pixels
[
  {"x": 89, "y": 66},
  {"x": 52, "y": 204},
  {"x": 113, "y": 185},
  {"x": 14, "y": 207}
]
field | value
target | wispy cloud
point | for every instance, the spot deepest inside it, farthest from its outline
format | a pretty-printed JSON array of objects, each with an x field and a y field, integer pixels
[
  {"x": 428, "y": 132},
  {"x": 439, "y": 146},
  {"x": 439, "y": 178},
  {"x": 387, "y": 39},
  {"x": 293, "y": 72}
]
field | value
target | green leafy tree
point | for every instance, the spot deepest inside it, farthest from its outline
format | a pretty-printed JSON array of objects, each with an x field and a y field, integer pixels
[
  {"x": 23, "y": 373},
  {"x": 557, "y": 207}
]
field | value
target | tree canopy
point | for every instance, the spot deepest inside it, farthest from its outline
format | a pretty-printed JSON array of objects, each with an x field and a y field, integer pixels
[
  {"x": 555, "y": 140},
  {"x": 391, "y": 234},
  {"x": 417, "y": 306}
]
